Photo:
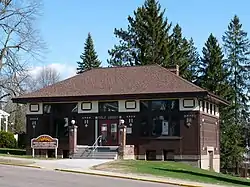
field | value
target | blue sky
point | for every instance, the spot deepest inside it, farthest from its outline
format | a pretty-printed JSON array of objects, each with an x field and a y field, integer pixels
[{"x": 64, "y": 25}]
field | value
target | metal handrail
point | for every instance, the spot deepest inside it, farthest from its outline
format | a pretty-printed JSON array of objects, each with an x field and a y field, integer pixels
[{"x": 95, "y": 145}]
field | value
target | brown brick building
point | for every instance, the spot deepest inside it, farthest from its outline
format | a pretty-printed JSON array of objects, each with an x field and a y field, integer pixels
[{"x": 167, "y": 117}]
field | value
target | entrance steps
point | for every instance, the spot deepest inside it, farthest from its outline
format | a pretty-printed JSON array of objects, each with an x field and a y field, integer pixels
[{"x": 99, "y": 152}]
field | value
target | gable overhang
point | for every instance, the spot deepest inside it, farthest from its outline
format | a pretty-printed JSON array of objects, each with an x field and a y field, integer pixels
[
  {"x": 25, "y": 100},
  {"x": 216, "y": 99}
]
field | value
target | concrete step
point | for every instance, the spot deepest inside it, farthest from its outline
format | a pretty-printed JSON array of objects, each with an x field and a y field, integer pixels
[
  {"x": 100, "y": 152},
  {"x": 96, "y": 155}
]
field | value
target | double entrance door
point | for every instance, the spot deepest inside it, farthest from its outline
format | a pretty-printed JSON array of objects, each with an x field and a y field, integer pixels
[{"x": 109, "y": 131}]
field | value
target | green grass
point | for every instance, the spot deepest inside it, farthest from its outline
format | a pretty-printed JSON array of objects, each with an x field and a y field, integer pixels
[{"x": 178, "y": 170}]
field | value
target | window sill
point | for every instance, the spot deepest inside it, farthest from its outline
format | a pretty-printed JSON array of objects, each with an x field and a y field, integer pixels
[{"x": 162, "y": 138}]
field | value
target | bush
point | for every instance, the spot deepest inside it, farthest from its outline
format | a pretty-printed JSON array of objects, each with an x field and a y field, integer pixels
[
  {"x": 7, "y": 140},
  {"x": 12, "y": 151}
]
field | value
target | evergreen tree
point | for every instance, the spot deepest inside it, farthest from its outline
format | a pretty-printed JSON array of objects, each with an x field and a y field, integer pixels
[
  {"x": 146, "y": 39},
  {"x": 179, "y": 50},
  {"x": 237, "y": 48},
  {"x": 213, "y": 75},
  {"x": 89, "y": 57},
  {"x": 214, "y": 78},
  {"x": 193, "y": 56}
]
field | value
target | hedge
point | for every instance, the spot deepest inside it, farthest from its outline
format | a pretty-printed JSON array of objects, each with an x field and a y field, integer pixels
[
  {"x": 12, "y": 151},
  {"x": 7, "y": 140}
]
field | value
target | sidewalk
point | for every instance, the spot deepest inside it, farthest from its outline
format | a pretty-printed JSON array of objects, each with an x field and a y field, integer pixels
[{"x": 83, "y": 166}]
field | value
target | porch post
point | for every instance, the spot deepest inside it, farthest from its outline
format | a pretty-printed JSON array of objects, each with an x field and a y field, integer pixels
[
  {"x": 6, "y": 123},
  {"x": 122, "y": 139},
  {"x": 96, "y": 127},
  {"x": 72, "y": 140}
]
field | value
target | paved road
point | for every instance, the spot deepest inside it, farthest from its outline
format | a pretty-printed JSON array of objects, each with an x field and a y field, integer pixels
[{"x": 11, "y": 176}]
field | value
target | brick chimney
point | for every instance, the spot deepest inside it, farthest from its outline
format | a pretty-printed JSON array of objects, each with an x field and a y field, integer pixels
[{"x": 174, "y": 69}]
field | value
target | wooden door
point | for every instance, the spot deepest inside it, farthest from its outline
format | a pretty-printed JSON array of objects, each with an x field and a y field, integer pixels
[
  {"x": 211, "y": 158},
  {"x": 109, "y": 131}
]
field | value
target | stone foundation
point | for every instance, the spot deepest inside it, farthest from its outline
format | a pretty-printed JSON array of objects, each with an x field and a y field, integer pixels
[
  {"x": 129, "y": 152},
  {"x": 205, "y": 162}
]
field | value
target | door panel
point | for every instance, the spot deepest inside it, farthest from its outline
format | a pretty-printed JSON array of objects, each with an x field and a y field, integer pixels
[{"x": 109, "y": 131}]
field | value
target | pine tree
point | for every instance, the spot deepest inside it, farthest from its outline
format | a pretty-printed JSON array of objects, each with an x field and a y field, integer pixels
[
  {"x": 237, "y": 48},
  {"x": 179, "y": 50},
  {"x": 146, "y": 39},
  {"x": 193, "y": 56},
  {"x": 213, "y": 75},
  {"x": 214, "y": 78},
  {"x": 89, "y": 57}
]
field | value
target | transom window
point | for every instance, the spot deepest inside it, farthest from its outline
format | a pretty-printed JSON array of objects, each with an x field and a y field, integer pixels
[
  {"x": 108, "y": 106},
  {"x": 165, "y": 105},
  {"x": 159, "y": 105}
]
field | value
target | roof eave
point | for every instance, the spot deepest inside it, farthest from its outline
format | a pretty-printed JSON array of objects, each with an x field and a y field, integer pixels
[
  {"x": 218, "y": 99},
  {"x": 24, "y": 100}
]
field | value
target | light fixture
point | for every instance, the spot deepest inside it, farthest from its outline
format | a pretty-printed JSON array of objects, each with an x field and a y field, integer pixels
[
  {"x": 122, "y": 121},
  {"x": 188, "y": 121},
  {"x": 73, "y": 122},
  {"x": 33, "y": 124}
]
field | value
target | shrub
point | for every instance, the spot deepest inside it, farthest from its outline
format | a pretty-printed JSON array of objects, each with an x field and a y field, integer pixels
[
  {"x": 12, "y": 151},
  {"x": 7, "y": 140}
]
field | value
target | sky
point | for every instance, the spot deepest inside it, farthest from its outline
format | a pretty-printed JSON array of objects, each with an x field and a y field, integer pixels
[{"x": 64, "y": 25}]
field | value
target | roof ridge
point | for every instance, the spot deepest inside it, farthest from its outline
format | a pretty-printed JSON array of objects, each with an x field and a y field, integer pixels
[{"x": 120, "y": 67}]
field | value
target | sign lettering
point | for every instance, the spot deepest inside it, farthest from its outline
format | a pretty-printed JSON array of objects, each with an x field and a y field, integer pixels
[{"x": 44, "y": 142}]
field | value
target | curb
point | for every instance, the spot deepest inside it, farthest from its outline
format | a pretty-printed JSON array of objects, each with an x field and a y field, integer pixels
[
  {"x": 129, "y": 178},
  {"x": 21, "y": 165}
]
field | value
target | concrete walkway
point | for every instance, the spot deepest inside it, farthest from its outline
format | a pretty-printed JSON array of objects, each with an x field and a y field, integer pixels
[{"x": 84, "y": 165}]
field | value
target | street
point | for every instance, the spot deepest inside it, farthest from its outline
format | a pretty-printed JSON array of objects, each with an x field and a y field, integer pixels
[{"x": 11, "y": 176}]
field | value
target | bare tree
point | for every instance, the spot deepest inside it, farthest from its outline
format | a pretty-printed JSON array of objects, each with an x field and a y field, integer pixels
[
  {"x": 19, "y": 42},
  {"x": 45, "y": 77}
]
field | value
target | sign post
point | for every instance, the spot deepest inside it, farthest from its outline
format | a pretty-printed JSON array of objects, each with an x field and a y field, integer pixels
[{"x": 44, "y": 142}]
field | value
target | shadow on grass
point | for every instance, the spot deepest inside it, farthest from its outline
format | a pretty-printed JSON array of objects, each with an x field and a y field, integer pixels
[{"x": 218, "y": 178}]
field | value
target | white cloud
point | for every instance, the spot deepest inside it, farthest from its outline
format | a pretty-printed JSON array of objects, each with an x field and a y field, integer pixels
[{"x": 65, "y": 70}]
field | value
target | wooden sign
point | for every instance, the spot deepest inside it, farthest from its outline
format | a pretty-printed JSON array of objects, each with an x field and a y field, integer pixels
[{"x": 44, "y": 142}]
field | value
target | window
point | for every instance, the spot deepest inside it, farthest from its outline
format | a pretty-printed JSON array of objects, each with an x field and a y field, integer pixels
[
  {"x": 211, "y": 108},
  {"x": 159, "y": 105},
  {"x": 165, "y": 105},
  {"x": 150, "y": 154},
  {"x": 144, "y": 122},
  {"x": 157, "y": 128},
  {"x": 108, "y": 106},
  {"x": 47, "y": 108},
  {"x": 203, "y": 106},
  {"x": 165, "y": 126},
  {"x": 144, "y": 106},
  {"x": 207, "y": 107}
]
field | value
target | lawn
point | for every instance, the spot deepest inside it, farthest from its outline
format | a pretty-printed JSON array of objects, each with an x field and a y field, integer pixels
[{"x": 174, "y": 170}]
